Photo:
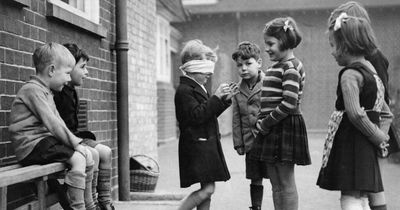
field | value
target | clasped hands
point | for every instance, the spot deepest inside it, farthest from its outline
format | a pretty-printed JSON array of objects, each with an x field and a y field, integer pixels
[
  {"x": 260, "y": 129},
  {"x": 227, "y": 91}
]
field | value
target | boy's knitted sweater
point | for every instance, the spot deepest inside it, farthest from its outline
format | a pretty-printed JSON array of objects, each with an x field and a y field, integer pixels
[
  {"x": 281, "y": 91},
  {"x": 34, "y": 116}
]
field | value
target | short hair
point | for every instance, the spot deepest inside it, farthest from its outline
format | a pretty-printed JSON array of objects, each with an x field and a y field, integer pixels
[
  {"x": 355, "y": 36},
  {"x": 289, "y": 37},
  {"x": 196, "y": 50},
  {"x": 77, "y": 52},
  {"x": 351, "y": 8},
  {"x": 246, "y": 50},
  {"x": 51, "y": 53}
]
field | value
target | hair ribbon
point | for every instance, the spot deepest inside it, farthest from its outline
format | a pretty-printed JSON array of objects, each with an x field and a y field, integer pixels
[
  {"x": 338, "y": 22},
  {"x": 287, "y": 26}
]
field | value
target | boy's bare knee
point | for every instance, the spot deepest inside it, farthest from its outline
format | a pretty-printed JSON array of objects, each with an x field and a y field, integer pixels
[
  {"x": 77, "y": 162},
  {"x": 95, "y": 154},
  {"x": 105, "y": 152}
]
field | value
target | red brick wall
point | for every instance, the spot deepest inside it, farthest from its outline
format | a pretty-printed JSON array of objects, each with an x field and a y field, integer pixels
[
  {"x": 314, "y": 51},
  {"x": 24, "y": 29}
]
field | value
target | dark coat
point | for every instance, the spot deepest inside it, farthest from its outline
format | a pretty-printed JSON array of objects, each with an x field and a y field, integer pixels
[{"x": 201, "y": 159}]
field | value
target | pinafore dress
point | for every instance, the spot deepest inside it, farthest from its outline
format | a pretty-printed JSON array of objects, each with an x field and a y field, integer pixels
[{"x": 350, "y": 160}]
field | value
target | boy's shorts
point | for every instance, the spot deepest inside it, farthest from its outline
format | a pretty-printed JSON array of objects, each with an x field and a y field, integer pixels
[
  {"x": 256, "y": 169},
  {"x": 88, "y": 137},
  {"x": 48, "y": 150}
]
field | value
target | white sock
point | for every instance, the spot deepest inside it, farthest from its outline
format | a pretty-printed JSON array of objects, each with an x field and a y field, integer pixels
[{"x": 351, "y": 203}]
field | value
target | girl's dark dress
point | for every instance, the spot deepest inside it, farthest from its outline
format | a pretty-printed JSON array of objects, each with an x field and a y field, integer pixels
[
  {"x": 201, "y": 159},
  {"x": 353, "y": 163}
]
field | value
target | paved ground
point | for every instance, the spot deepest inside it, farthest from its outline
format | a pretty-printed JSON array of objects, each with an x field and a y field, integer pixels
[{"x": 234, "y": 194}]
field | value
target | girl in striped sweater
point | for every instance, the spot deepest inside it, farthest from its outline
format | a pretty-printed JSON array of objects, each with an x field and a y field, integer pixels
[{"x": 282, "y": 141}]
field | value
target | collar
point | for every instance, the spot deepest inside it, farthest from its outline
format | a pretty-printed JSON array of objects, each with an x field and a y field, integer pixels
[
  {"x": 38, "y": 81},
  {"x": 202, "y": 86}
]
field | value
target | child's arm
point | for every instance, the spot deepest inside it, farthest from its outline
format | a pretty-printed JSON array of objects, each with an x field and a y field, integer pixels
[
  {"x": 195, "y": 113},
  {"x": 351, "y": 83},
  {"x": 237, "y": 137},
  {"x": 39, "y": 105},
  {"x": 290, "y": 90}
]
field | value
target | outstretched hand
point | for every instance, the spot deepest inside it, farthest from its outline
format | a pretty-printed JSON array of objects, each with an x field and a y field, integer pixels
[
  {"x": 227, "y": 91},
  {"x": 233, "y": 90}
]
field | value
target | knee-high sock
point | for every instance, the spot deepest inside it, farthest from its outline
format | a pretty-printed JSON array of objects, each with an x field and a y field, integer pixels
[
  {"x": 89, "y": 203},
  {"x": 350, "y": 203},
  {"x": 104, "y": 187},
  {"x": 94, "y": 186},
  {"x": 256, "y": 195},
  {"x": 75, "y": 181}
]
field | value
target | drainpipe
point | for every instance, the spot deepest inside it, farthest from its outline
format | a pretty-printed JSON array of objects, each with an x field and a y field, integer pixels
[
  {"x": 122, "y": 47},
  {"x": 238, "y": 28}
]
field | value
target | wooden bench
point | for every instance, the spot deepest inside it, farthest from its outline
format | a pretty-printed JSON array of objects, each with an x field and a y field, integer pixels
[{"x": 39, "y": 174}]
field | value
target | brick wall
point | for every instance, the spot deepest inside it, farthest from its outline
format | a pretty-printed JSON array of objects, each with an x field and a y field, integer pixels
[
  {"x": 321, "y": 70},
  {"x": 142, "y": 77},
  {"x": 22, "y": 29},
  {"x": 166, "y": 125}
]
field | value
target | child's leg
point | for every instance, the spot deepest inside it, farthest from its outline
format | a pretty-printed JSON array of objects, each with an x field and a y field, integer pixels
[
  {"x": 96, "y": 160},
  {"x": 352, "y": 200},
  {"x": 104, "y": 176},
  {"x": 200, "y": 198},
  {"x": 284, "y": 189},
  {"x": 92, "y": 161},
  {"x": 255, "y": 171},
  {"x": 377, "y": 201},
  {"x": 75, "y": 180},
  {"x": 256, "y": 193}
]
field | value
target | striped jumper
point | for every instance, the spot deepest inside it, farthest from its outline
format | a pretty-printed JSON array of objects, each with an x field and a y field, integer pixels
[{"x": 281, "y": 91}]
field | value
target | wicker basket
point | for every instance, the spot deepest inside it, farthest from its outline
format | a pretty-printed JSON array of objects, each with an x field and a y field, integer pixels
[{"x": 144, "y": 178}]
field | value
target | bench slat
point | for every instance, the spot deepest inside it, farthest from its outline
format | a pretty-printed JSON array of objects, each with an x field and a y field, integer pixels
[
  {"x": 10, "y": 167},
  {"x": 29, "y": 172}
]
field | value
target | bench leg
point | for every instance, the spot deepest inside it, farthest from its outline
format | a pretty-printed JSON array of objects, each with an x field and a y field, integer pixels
[
  {"x": 41, "y": 192},
  {"x": 3, "y": 197}
]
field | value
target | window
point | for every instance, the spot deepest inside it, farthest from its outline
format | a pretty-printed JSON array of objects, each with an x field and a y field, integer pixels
[
  {"x": 88, "y": 9},
  {"x": 199, "y": 2},
  {"x": 163, "y": 50}
]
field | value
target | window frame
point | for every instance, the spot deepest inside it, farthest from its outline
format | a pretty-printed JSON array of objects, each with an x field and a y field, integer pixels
[
  {"x": 61, "y": 11},
  {"x": 163, "y": 50},
  {"x": 92, "y": 14},
  {"x": 199, "y": 2}
]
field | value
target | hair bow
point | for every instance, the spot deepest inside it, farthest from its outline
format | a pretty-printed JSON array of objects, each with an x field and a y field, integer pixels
[
  {"x": 338, "y": 22},
  {"x": 287, "y": 26}
]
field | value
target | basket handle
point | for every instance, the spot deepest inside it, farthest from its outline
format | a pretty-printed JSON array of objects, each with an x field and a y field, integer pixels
[{"x": 158, "y": 167}]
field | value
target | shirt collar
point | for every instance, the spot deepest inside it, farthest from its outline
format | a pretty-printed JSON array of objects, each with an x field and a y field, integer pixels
[
  {"x": 38, "y": 81},
  {"x": 202, "y": 86}
]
